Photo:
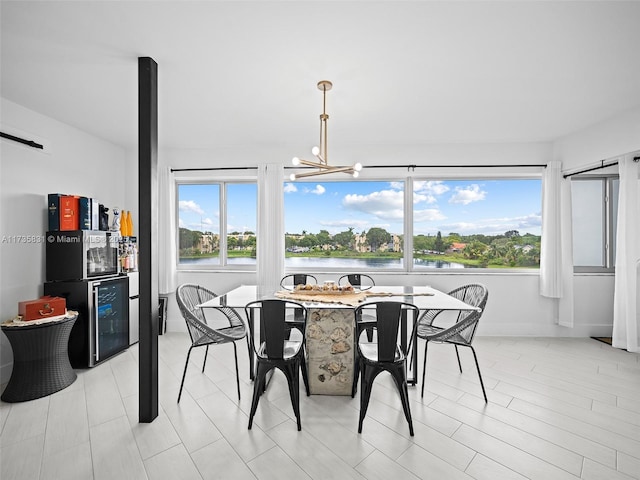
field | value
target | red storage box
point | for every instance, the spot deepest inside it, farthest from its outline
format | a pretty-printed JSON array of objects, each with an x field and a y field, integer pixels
[{"x": 43, "y": 307}]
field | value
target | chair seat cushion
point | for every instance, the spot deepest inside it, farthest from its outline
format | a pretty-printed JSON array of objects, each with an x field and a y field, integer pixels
[
  {"x": 291, "y": 349},
  {"x": 370, "y": 352}
]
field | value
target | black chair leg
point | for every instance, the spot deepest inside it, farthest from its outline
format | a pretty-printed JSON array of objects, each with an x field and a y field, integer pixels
[
  {"x": 184, "y": 374},
  {"x": 400, "y": 379},
  {"x": 258, "y": 388},
  {"x": 251, "y": 359},
  {"x": 305, "y": 374},
  {"x": 424, "y": 368},
  {"x": 292, "y": 373},
  {"x": 235, "y": 355},
  {"x": 458, "y": 356},
  {"x": 479, "y": 374},
  {"x": 206, "y": 354},
  {"x": 367, "y": 375}
]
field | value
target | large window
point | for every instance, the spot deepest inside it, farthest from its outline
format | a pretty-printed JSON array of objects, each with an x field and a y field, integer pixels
[
  {"x": 344, "y": 225},
  {"x": 217, "y": 224},
  {"x": 477, "y": 223},
  {"x": 594, "y": 203},
  {"x": 413, "y": 225}
]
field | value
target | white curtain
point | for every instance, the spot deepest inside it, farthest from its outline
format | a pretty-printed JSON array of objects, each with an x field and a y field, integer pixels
[
  {"x": 270, "y": 228},
  {"x": 167, "y": 232},
  {"x": 626, "y": 322},
  {"x": 556, "y": 260}
]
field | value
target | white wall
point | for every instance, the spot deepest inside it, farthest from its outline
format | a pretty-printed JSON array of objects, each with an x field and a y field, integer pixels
[
  {"x": 514, "y": 306},
  {"x": 78, "y": 163}
]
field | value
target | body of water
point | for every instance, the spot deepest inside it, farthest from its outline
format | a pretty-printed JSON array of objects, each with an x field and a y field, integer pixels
[{"x": 293, "y": 263}]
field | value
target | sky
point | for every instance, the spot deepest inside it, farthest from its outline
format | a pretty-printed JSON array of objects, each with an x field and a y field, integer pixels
[{"x": 489, "y": 207}]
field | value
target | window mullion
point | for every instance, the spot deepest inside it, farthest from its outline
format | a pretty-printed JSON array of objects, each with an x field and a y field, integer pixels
[
  {"x": 223, "y": 224},
  {"x": 408, "y": 224}
]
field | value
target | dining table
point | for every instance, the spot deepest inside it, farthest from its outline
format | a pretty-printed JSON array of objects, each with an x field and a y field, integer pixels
[{"x": 330, "y": 327}]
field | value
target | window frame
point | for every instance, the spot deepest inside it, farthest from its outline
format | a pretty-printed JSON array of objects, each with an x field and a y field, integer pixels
[
  {"x": 408, "y": 266},
  {"x": 223, "y": 230},
  {"x": 609, "y": 222}
]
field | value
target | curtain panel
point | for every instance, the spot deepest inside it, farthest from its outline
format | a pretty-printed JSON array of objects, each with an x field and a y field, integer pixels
[
  {"x": 556, "y": 259},
  {"x": 270, "y": 228},
  {"x": 167, "y": 269},
  {"x": 626, "y": 321}
]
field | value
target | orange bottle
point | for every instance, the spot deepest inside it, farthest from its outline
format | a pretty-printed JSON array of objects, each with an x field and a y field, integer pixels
[
  {"x": 129, "y": 224},
  {"x": 123, "y": 224}
]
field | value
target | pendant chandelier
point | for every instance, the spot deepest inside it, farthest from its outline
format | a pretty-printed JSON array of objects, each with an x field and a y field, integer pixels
[{"x": 322, "y": 165}]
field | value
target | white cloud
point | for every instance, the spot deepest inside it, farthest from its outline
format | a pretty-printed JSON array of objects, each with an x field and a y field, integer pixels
[
  {"x": 496, "y": 226},
  {"x": 427, "y": 215},
  {"x": 319, "y": 190},
  {"x": 465, "y": 196},
  {"x": 337, "y": 226},
  {"x": 431, "y": 187},
  {"x": 207, "y": 221},
  {"x": 385, "y": 204},
  {"x": 190, "y": 206},
  {"x": 290, "y": 188}
]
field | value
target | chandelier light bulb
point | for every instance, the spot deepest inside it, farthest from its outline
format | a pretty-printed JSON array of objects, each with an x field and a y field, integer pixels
[
  {"x": 356, "y": 173},
  {"x": 315, "y": 151},
  {"x": 357, "y": 167},
  {"x": 295, "y": 161},
  {"x": 292, "y": 177}
]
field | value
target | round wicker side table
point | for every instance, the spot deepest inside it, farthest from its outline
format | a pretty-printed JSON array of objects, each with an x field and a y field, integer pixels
[{"x": 40, "y": 359}]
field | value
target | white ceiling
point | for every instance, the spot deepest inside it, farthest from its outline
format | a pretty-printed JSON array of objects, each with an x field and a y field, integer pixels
[{"x": 404, "y": 73}]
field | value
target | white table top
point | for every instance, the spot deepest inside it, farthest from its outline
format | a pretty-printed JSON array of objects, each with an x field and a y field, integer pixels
[{"x": 434, "y": 300}]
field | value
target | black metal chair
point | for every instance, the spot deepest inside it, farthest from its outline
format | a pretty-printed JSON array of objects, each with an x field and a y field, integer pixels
[
  {"x": 459, "y": 334},
  {"x": 358, "y": 280},
  {"x": 383, "y": 354},
  {"x": 290, "y": 281},
  {"x": 188, "y": 297},
  {"x": 275, "y": 350}
]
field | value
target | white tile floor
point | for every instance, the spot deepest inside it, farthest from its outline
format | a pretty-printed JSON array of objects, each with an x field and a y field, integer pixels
[{"x": 558, "y": 409}]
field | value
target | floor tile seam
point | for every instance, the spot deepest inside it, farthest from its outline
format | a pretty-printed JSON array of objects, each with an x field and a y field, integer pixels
[
  {"x": 551, "y": 385},
  {"x": 581, "y": 382},
  {"x": 575, "y": 408},
  {"x": 572, "y": 417},
  {"x": 526, "y": 453},
  {"x": 508, "y": 425},
  {"x": 591, "y": 439},
  {"x": 275, "y": 445},
  {"x": 552, "y": 438},
  {"x": 478, "y": 454}
]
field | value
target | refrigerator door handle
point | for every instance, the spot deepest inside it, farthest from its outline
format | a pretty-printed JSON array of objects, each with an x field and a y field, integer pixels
[{"x": 96, "y": 322}]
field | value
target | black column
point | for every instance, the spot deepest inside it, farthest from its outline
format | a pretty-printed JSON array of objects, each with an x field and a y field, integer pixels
[{"x": 148, "y": 237}]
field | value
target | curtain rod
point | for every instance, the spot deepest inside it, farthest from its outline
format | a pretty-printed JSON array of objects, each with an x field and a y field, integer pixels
[
  {"x": 29, "y": 143},
  {"x": 408, "y": 167},
  {"x": 599, "y": 167},
  {"x": 211, "y": 169}
]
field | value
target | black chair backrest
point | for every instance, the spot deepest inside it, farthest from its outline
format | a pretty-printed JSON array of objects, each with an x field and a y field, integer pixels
[
  {"x": 356, "y": 280},
  {"x": 298, "y": 279},
  {"x": 273, "y": 325},
  {"x": 387, "y": 323}
]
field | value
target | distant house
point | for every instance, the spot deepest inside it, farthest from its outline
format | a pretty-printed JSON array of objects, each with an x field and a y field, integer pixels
[{"x": 456, "y": 247}]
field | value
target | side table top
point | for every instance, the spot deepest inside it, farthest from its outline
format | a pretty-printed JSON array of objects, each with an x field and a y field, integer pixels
[{"x": 17, "y": 322}]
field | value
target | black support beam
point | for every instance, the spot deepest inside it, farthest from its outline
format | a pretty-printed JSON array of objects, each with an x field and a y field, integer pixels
[{"x": 148, "y": 237}]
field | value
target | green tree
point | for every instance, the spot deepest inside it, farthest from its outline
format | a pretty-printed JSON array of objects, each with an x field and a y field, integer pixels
[
  {"x": 376, "y": 237},
  {"x": 474, "y": 250},
  {"x": 438, "y": 245},
  {"x": 344, "y": 239},
  {"x": 323, "y": 238}
]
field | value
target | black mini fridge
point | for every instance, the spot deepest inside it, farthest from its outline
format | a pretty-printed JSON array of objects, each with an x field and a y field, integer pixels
[{"x": 102, "y": 327}]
